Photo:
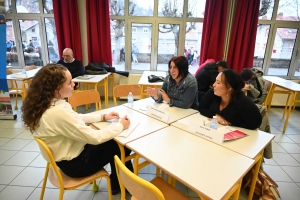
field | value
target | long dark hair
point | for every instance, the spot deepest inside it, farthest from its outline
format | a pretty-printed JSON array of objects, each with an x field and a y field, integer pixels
[
  {"x": 234, "y": 80},
  {"x": 41, "y": 93},
  {"x": 182, "y": 64}
]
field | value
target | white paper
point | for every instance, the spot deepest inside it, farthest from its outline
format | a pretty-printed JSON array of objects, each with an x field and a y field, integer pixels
[
  {"x": 158, "y": 114},
  {"x": 127, "y": 132}
]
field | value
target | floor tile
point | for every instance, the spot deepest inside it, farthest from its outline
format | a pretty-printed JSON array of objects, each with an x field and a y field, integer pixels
[
  {"x": 294, "y": 138},
  {"x": 15, "y": 144},
  {"x": 277, "y": 173},
  {"x": 2, "y": 187},
  {"x": 77, "y": 194},
  {"x": 12, "y": 124},
  {"x": 39, "y": 161},
  {"x": 50, "y": 194},
  {"x": 22, "y": 158},
  {"x": 30, "y": 176},
  {"x": 290, "y": 148},
  {"x": 5, "y": 155},
  {"x": 296, "y": 156},
  {"x": 288, "y": 191},
  {"x": 25, "y": 135},
  {"x": 283, "y": 138},
  {"x": 269, "y": 162},
  {"x": 276, "y": 148},
  {"x": 3, "y": 141},
  {"x": 285, "y": 159},
  {"x": 10, "y": 133},
  {"x": 16, "y": 193},
  {"x": 32, "y": 146},
  {"x": 8, "y": 173},
  {"x": 293, "y": 172}
]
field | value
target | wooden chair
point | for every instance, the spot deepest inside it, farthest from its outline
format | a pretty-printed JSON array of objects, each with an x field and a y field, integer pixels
[
  {"x": 64, "y": 182},
  {"x": 14, "y": 89},
  {"x": 85, "y": 97},
  {"x": 123, "y": 90},
  {"x": 141, "y": 189}
]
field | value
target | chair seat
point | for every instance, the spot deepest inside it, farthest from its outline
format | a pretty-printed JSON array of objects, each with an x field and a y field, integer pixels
[
  {"x": 70, "y": 182},
  {"x": 169, "y": 192}
]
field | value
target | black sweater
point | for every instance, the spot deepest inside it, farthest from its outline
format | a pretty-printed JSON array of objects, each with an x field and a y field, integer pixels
[
  {"x": 241, "y": 112},
  {"x": 206, "y": 77},
  {"x": 75, "y": 67}
]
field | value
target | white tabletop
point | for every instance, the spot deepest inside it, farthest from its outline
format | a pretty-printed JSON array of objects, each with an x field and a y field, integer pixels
[
  {"x": 175, "y": 113},
  {"x": 144, "y": 79},
  {"x": 205, "y": 167},
  {"x": 146, "y": 125},
  {"x": 249, "y": 146},
  {"x": 274, "y": 79},
  {"x": 30, "y": 74},
  {"x": 289, "y": 85},
  {"x": 95, "y": 79}
]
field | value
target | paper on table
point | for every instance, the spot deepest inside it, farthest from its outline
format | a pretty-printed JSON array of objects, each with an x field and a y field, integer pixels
[
  {"x": 231, "y": 133},
  {"x": 127, "y": 132},
  {"x": 85, "y": 77}
]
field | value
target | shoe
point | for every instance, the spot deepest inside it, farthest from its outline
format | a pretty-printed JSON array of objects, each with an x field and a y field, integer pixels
[{"x": 115, "y": 191}]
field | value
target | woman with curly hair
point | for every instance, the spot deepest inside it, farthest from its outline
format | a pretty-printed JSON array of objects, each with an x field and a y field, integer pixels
[{"x": 78, "y": 149}]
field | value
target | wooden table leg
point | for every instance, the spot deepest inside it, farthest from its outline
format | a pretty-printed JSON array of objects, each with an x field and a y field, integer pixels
[{"x": 258, "y": 160}]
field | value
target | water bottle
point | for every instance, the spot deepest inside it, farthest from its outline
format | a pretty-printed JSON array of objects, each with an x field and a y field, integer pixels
[
  {"x": 130, "y": 100},
  {"x": 23, "y": 71},
  {"x": 214, "y": 123}
]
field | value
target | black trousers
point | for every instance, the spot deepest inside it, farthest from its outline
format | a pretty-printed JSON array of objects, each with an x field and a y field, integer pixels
[{"x": 92, "y": 159}]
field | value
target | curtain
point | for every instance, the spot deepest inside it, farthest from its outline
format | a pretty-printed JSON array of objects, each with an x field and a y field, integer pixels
[
  {"x": 243, "y": 36},
  {"x": 67, "y": 26},
  {"x": 98, "y": 31},
  {"x": 214, "y": 27}
]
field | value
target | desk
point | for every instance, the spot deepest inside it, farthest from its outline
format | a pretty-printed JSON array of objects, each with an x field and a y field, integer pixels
[
  {"x": 251, "y": 146},
  {"x": 30, "y": 75},
  {"x": 175, "y": 113},
  {"x": 144, "y": 83},
  {"x": 95, "y": 81},
  {"x": 212, "y": 171},
  {"x": 288, "y": 85}
]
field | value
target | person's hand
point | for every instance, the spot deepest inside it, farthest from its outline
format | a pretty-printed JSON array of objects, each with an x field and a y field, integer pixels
[
  {"x": 125, "y": 121},
  {"x": 112, "y": 115},
  {"x": 246, "y": 85},
  {"x": 164, "y": 95},
  {"x": 222, "y": 121},
  {"x": 152, "y": 92}
]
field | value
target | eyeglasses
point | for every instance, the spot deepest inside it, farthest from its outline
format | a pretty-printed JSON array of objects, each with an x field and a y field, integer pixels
[{"x": 66, "y": 55}]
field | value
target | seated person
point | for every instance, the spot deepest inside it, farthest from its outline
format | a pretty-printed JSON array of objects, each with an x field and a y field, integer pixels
[
  {"x": 78, "y": 150},
  {"x": 207, "y": 76},
  {"x": 227, "y": 101},
  {"x": 255, "y": 84},
  {"x": 179, "y": 88},
  {"x": 74, "y": 66}
]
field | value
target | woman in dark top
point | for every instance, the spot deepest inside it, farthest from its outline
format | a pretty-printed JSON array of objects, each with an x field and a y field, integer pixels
[{"x": 227, "y": 101}]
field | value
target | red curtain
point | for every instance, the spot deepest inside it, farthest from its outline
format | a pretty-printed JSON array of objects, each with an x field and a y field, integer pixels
[
  {"x": 98, "y": 31},
  {"x": 214, "y": 27},
  {"x": 243, "y": 36},
  {"x": 67, "y": 26}
]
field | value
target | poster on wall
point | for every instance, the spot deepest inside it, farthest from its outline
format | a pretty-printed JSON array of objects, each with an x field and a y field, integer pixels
[{"x": 6, "y": 109}]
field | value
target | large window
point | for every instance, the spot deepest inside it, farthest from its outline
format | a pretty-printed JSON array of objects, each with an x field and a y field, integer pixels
[
  {"x": 30, "y": 33},
  {"x": 154, "y": 31},
  {"x": 277, "y": 40}
]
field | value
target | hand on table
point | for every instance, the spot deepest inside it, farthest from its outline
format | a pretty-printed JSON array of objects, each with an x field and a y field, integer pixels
[
  {"x": 112, "y": 115},
  {"x": 222, "y": 121},
  {"x": 125, "y": 121}
]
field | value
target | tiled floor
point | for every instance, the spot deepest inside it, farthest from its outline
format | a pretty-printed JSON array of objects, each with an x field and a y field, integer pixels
[{"x": 22, "y": 167}]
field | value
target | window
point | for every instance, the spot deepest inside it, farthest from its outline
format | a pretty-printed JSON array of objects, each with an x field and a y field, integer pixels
[
  {"x": 31, "y": 23},
  {"x": 278, "y": 30},
  {"x": 155, "y": 31}
]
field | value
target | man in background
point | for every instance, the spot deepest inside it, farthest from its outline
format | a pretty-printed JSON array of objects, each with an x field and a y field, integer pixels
[
  {"x": 74, "y": 66},
  {"x": 255, "y": 84}
]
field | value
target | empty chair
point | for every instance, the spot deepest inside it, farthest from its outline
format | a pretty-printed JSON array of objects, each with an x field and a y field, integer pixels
[
  {"x": 14, "y": 89},
  {"x": 85, "y": 97},
  {"x": 64, "y": 182},
  {"x": 141, "y": 189},
  {"x": 123, "y": 91}
]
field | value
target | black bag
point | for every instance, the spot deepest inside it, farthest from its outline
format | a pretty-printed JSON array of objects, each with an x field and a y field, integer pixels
[
  {"x": 104, "y": 67},
  {"x": 153, "y": 78}
]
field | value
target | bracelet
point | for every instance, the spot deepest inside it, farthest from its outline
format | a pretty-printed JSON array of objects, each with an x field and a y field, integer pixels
[{"x": 104, "y": 117}]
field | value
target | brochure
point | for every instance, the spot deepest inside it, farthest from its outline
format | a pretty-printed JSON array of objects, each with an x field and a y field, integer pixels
[
  {"x": 231, "y": 133},
  {"x": 85, "y": 77}
]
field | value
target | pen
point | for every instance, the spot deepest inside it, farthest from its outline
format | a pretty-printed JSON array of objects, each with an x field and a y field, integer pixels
[{"x": 126, "y": 118}]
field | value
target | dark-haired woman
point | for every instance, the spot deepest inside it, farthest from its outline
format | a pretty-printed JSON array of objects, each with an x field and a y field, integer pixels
[
  {"x": 78, "y": 149},
  {"x": 179, "y": 88},
  {"x": 227, "y": 101}
]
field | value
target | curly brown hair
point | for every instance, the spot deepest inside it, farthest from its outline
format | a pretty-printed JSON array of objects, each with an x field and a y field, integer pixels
[{"x": 40, "y": 94}]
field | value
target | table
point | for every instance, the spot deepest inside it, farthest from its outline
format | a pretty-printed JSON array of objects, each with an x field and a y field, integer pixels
[
  {"x": 251, "y": 146},
  {"x": 27, "y": 79},
  {"x": 288, "y": 85},
  {"x": 144, "y": 83},
  {"x": 214, "y": 172},
  {"x": 95, "y": 82},
  {"x": 175, "y": 113},
  {"x": 146, "y": 126}
]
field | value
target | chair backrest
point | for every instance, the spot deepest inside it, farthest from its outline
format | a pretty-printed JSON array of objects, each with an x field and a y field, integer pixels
[
  {"x": 138, "y": 187},
  {"x": 47, "y": 155},
  {"x": 84, "y": 97},
  {"x": 123, "y": 90}
]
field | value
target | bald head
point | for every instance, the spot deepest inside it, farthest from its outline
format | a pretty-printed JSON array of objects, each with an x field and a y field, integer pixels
[{"x": 68, "y": 55}]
